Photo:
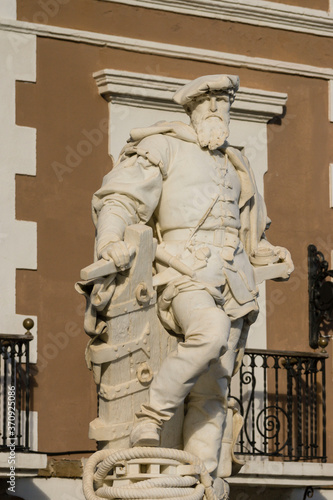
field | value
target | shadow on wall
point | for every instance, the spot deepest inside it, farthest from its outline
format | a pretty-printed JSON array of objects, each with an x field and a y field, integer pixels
[
  {"x": 3, "y": 492},
  {"x": 47, "y": 489},
  {"x": 244, "y": 492},
  {"x": 24, "y": 490}
]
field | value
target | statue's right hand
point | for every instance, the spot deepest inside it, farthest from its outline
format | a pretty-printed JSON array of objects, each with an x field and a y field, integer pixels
[{"x": 119, "y": 252}]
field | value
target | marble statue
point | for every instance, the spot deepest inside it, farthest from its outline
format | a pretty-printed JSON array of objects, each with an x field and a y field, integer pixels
[{"x": 197, "y": 196}]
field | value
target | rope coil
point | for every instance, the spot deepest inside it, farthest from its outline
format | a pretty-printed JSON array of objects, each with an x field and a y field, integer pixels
[{"x": 188, "y": 487}]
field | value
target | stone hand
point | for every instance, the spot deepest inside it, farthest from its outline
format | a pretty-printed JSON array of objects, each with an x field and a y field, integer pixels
[
  {"x": 284, "y": 256},
  {"x": 119, "y": 252}
]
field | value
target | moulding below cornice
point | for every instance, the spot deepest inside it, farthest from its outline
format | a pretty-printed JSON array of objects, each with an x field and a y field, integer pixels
[
  {"x": 257, "y": 12},
  {"x": 151, "y": 91},
  {"x": 284, "y": 474},
  {"x": 163, "y": 49}
]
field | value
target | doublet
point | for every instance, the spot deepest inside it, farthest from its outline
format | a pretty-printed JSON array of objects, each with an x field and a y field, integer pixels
[
  {"x": 194, "y": 196},
  {"x": 196, "y": 183},
  {"x": 208, "y": 215}
]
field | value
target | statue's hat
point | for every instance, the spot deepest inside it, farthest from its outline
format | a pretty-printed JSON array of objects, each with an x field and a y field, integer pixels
[{"x": 205, "y": 85}]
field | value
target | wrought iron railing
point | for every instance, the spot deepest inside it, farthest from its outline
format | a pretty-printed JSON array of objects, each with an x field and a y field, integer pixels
[
  {"x": 15, "y": 389},
  {"x": 282, "y": 398}
]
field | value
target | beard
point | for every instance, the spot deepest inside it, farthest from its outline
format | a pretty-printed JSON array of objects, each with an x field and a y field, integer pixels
[{"x": 212, "y": 132}]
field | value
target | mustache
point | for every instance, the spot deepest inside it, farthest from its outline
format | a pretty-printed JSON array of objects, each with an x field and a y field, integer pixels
[{"x": 206, "y": 117}]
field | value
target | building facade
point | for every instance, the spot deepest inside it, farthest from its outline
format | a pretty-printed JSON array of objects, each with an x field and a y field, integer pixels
[{"x": 76, "y": 76}]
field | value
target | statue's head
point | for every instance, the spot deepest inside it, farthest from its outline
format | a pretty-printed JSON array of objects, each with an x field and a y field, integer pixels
[{"x": 207, "y": 101}]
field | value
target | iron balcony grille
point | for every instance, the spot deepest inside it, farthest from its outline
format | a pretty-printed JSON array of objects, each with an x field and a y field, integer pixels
[
  {"x": 15, "y": 391},
  {"x": 282, "y": 397}
]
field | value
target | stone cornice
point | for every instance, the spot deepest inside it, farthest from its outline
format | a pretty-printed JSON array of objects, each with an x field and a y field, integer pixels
[
  {"x": 164, "y": 49},
  {"x": 150, "y": 91},
  {"x": 257, "y": 12},
  {"x": 284, "y": 474}
]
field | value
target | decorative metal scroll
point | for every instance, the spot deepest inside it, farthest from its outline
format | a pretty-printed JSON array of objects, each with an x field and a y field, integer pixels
[
  {"x": 320, "y": 298},
  {"x": 282, "y": 397}
]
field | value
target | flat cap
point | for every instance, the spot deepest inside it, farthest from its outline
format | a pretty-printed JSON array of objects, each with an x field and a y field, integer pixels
[{"x": 206, "y": 84}]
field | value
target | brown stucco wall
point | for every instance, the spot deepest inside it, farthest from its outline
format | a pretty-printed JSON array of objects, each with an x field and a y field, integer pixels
[
  {"x": 309, "y": 4},
  {"x": 64, "y": 106},
  {"x": 297, "y": 200},
  {"x": 159, "y": 26}
]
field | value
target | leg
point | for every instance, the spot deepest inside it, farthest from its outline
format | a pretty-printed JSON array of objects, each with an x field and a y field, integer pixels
[
  {"x": 208, "y": 403},
  {"x": 206, "y": 330}
]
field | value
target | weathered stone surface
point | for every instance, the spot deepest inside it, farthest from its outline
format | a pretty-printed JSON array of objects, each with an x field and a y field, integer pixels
[{"x": 62, "y": 468}]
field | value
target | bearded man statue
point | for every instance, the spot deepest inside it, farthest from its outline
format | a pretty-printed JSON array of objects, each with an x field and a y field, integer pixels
[{"x": 200, "y": 195}]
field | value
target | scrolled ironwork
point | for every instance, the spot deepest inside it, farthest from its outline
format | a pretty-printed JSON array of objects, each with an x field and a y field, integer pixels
[
  {"x": 320, "y": 298},
  {"x": 270, "y": 427},
  {"x": 309, "y": 492},
  {"x": 281, "y": 396},
  {"x": 248, "y": 378},
  {"x": 271, "y": 423}
]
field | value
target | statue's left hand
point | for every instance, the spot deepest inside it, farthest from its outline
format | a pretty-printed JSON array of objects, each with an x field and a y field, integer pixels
[{"x": 284, "y": 256}]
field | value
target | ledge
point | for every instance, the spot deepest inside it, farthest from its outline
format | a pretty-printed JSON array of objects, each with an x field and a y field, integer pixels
[
  {"x": 284, "y": 474},
  {"x": 150, "y": 91},
  {"x": 166, "y": 50},
  {"x": 255, "y": 12},
  {"x": 26, "y": 464}
]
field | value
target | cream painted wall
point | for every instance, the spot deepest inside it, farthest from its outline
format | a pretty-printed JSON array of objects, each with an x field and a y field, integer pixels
[
  {"x": 8, "y": 9},
  {"x": 18, "y": 239}
]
